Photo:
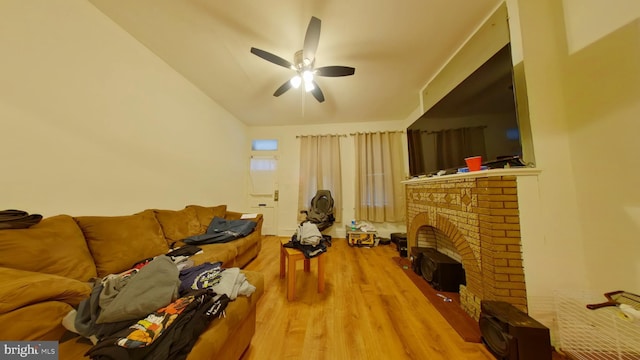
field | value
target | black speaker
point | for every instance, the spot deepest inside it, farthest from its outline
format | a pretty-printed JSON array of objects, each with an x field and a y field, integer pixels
[
  {"x": 397, "y": 237},
  {"x": 416, "y": 259},
  {"x": 510, "y": 334},
  {"x": 400, "y": 239},
  {"x": 441, "y": 271}
]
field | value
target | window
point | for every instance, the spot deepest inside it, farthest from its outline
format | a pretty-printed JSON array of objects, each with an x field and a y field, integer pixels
[
  {"x": 262, "y": 173},
  {"x": 379, "y": 171},
  {"x": 320, "y": 170},
  {"x": 264, "y": 145}
]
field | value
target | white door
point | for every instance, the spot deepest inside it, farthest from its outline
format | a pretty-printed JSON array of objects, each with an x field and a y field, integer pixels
[{"x": 263, "y": 192}]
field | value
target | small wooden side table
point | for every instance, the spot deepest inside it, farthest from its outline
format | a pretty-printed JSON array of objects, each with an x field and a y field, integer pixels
[{"x": 293, "y": 256}]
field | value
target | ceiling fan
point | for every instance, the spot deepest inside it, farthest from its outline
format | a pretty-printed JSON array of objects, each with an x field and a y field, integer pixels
[{"x": 303, "y": 64}]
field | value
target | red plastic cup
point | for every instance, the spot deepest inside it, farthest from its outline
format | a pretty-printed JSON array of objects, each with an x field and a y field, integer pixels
[{"x": 474, "y": 163}]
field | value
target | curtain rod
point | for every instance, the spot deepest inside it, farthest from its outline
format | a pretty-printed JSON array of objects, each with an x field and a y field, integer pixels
[
  {"x": 340, "y": 135},
  {"x": 377, "y": 132},
  {"x": 352, "y": 134},
  {"x": 462, "y": 128}
]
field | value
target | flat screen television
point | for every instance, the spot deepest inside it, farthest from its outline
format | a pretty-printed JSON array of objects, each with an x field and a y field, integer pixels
[{"x": 477, "y": 117}]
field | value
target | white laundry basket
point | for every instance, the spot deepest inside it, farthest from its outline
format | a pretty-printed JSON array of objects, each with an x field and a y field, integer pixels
[{"x": 600, "y": 334}]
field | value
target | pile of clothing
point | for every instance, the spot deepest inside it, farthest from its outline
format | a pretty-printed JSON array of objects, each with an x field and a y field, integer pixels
[
  {"x": 221, "y": 230},
  {"x": 155, "y": 310},
  {"x": 309, "y": 240}
]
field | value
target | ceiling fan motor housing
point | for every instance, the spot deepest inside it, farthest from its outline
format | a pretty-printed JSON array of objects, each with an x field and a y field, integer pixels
[{"x": 301, "y": 63}]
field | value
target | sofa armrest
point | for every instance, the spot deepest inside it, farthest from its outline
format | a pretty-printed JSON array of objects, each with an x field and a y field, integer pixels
[
  {"x": 233, "y": 215},
  {"x": 20, "y": 288}
]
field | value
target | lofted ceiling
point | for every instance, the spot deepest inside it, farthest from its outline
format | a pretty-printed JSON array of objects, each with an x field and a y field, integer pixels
[{"x": 395, "y": 46}]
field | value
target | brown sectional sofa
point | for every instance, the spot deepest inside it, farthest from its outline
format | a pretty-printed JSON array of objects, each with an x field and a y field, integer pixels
[{"x": 45, "y": 269}]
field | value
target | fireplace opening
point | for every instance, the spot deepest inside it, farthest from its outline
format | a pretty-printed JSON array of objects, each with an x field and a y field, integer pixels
[{"x": 442, "y": 272}]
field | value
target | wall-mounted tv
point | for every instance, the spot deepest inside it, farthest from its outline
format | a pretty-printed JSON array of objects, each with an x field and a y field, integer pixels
[{"x": 477, "y": 117}]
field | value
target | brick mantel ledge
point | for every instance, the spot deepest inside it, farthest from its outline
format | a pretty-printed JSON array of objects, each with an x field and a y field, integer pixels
[{"x": 524, "y": 171}]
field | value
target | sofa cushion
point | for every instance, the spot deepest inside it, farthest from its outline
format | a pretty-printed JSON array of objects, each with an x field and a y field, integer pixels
[
  {"x": 41, "y": 321},
  {"x": 59, "y": 237},
  {"x": 225, "y": 253},
  {"x": 19, "y": 288},
  {"x": 118, "y": 242},
  {"x": 179, "y": 224},
  {"x": 206, "y": 214}
]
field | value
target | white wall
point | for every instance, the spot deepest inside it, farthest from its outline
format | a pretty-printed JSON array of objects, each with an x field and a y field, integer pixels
[
  {"x": 558, "y": 247},
  {"x": 587, "y": 21},
  {"x": 583, "y": 81},
  {"x": 289, "y": 170},
  {"x": 92, "y": 123},
  {"x": 603, "y": 101},
  {"x": 584, "y": 109}
]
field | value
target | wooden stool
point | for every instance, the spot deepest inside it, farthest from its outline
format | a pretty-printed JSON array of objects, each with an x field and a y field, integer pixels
[{"x": 293, "y": 255}]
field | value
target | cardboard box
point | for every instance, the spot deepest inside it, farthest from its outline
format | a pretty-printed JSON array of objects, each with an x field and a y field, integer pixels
[{"x": 360, "y": 238}]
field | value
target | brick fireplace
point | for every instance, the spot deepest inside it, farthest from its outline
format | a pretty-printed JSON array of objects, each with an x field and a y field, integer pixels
[{"x": 475, "y": 219}]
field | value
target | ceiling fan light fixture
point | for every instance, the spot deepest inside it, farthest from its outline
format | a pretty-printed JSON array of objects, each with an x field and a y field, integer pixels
[
  {"x": 296, "y": 81},
  {"x": 307, "y": 76},
  {"x": 308, "y": 86}
]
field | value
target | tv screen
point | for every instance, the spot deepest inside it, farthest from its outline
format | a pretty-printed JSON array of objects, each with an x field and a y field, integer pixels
[{"x": 478, "y": 117}]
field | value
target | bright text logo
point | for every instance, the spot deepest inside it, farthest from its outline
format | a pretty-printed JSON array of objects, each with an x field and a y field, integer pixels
[{"x": 45, "y": 350}]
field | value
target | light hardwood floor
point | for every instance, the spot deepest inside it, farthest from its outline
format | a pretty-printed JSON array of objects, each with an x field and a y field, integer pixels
[{"x": 370, "y": 310}]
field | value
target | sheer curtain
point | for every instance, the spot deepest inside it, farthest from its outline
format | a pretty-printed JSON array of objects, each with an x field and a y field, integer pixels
[
  {"x": 379, "y": 172},
  {"x": 320, "y": 170}
]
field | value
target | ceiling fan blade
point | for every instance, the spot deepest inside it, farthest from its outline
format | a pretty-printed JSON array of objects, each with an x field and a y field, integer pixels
[
  {"x": 283, "y": 88},
  {"x": 311, "y": 39},
  {"x": 317, "y": 93},
  {"x": 335, "y": 71},
  {"x": 272, "y": 58}
]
